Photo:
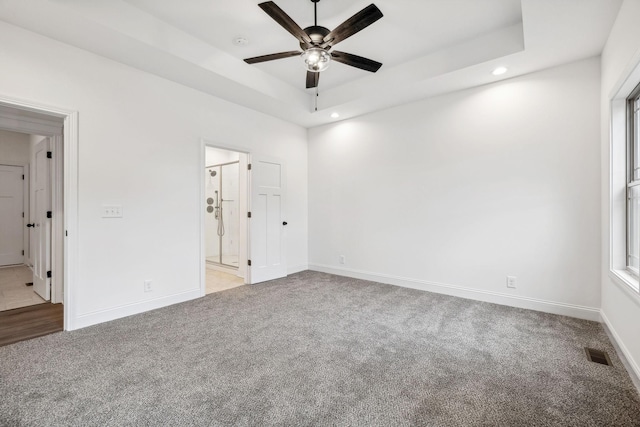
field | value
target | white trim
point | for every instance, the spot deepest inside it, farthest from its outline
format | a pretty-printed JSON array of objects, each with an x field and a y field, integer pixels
[
  {"x": 578, "y": 311},
  {"x": 70, "y": 194},
  {"x": 106, "y": 315},
  {"x": 71, "y": 202},
  {"x": 202, "y": 252},
  {"x": 30, "y": 125},
  {"x": 57, "y": 225},
  {"x": 297, "y": 268},
  {"x": 631, "y": 365}
]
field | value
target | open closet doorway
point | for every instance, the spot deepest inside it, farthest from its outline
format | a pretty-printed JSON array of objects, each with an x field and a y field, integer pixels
[{"x": 225, "y": 236}]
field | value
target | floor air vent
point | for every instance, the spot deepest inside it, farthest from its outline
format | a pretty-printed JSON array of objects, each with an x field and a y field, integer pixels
[{"x": 597, "y": 356}]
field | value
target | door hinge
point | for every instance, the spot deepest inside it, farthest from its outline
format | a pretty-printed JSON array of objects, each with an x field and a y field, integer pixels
[
  {"x": 249, "y": 166},
  {"x": 249, "y": 262},
  {"x": 23, "y": 177},
  {"x": 49, "y": 214},
  {"x": 23, "y": 252},
  {"x": 248, "y": 214},
  {"x": 49, "y": 155},
  {"x": 49, "y": 274},
  {"x": 22, "y": 214}
]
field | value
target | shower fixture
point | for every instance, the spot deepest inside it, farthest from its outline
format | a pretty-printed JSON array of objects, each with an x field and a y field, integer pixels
[
  {"x": 221, "y": 197},
  {"x": 218, "y": 215},
  {"x": 217, "y": 206}
]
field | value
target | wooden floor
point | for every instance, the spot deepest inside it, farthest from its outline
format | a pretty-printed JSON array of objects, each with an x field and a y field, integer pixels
[{"x": 34, "y": 321}]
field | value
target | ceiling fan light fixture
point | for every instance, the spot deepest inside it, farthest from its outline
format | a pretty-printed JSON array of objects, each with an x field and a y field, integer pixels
[{"x": 316, "y": 59}]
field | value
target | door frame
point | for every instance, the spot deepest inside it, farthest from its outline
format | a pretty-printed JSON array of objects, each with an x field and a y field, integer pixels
[
  {"x": 65, "y": 250},
  {"x": 244, "y": 229}
]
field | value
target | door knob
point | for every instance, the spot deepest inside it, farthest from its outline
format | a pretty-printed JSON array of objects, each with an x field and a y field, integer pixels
[
  {"x": 31, "y": 225},
  {"x": 284, "y": 223}
]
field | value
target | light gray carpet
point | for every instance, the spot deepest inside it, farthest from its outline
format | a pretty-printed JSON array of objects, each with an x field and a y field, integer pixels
[{"x": 316, "y": 349}]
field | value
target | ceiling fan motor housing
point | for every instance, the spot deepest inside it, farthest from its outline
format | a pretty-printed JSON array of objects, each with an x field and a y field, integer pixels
[{"x": 317, "y": 35}]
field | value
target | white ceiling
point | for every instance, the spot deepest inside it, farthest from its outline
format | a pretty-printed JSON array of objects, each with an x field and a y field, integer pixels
[{"x": 428, "y": 47}]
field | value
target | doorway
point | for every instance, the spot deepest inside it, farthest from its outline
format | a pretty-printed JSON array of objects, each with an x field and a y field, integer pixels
[
  {"x": 26, "y": 215},
  {"x": 43, "y": 141},
  {"x": 261, "y": 207},
  {"x": 225, "y": 195}
]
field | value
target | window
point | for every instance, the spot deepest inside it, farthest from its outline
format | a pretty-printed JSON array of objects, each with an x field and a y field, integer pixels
[
  {"x": 624, "y": 195},
  {"x": 633, "y": 183}
]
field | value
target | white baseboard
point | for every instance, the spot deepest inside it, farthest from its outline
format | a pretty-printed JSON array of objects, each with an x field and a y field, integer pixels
[
  {"x": 630, "y": 364},
  {"x": 297, "y": 269},
  {"x": 100, "y": 316},
  {"x": 578, "y": 311}
]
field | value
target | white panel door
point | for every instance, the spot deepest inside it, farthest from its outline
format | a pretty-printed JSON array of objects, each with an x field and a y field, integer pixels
[
  {"x": 41, "y": 234},
  {"x": 267, "y": 230},
  {"x": 11, "y": 219}
]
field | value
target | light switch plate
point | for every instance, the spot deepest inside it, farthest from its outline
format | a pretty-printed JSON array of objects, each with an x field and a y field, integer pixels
[{"x": 112, "y": 211}]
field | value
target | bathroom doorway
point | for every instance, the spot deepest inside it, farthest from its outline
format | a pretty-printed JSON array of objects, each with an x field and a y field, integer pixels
[{"x": 224, "y": 227}]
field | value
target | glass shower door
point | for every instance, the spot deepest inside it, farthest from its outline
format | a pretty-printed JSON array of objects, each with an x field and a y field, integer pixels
[
  {"x": 230, "y": 215},
  {"x": 222, "y": 220},
  {"x": 212, "y": 192}
]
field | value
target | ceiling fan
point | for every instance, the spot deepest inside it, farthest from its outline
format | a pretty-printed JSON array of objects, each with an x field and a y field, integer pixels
[{"x": 316, "y": 41}]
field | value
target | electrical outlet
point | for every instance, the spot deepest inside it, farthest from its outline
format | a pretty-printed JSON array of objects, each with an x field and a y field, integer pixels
[
  {"x": 148, "y": 286},
  {"x": 112, "y": 211},
  {"x": 511, "y": 282},
  {"x": 342, "y": 259}
]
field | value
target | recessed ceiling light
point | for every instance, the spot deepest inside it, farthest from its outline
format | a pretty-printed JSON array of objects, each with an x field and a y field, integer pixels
[
  {"x": 499, "y": 71},
  {"x": 335, "y": 115},
  {"x": 241, "y": 41}
]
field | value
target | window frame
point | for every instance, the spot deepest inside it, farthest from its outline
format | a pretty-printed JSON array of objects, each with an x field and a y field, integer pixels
[
  {"x": 633, "y": 176},
  {"x": 619, "y": 122}
]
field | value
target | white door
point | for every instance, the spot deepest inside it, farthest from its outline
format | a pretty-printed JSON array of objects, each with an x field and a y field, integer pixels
[
  {"x": 267, "y": 224},
  {"x": 41, "y": 231},
  {"x": 11, "y": 217}
]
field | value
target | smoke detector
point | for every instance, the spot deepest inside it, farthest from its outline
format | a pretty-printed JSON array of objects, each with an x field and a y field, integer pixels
[{"x": 241, "y": 41}]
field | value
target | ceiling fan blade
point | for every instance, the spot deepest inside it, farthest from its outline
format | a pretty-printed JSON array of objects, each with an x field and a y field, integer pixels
[
  {"x": 356, "y": 61},
  {"x": 357, "y": 22},
  {"x": 265, "y": 58},
  {"x": 312, "y": 79},
  {"x": 285, "y": 21}
]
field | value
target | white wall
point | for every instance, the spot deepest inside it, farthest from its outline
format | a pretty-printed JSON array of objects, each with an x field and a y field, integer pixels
[
  {"x": 454, "y": 193},
  {"x": 14, "y": 148},
  {"x": 140, "y": 146},
  {"x": 620, "y": 308}
]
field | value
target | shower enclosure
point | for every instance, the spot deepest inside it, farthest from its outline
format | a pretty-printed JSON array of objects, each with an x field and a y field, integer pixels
[{"x": 222, "y": 222}]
